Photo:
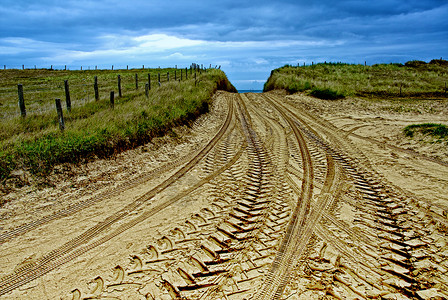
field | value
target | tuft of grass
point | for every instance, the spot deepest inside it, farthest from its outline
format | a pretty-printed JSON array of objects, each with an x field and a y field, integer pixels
[
  {"x": 94, "y": 130},
  {"x": 413, "y": 79},
  {"x": 326, "y": 94},
  {"x": 438, "y": 131}
]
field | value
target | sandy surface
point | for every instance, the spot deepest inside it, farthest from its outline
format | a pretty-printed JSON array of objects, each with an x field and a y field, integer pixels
[
  {"x": 404, "y": 161},
  {"x": 267, "y": 196}
]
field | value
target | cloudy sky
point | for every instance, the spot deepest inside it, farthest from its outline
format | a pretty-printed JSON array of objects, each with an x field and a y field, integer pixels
[{"x": 247, "y": 38}]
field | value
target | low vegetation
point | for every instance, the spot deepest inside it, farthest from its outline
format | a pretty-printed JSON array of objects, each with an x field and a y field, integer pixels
[
  {"x": 326, "y": 93},
  {"x": 93, "y": 129},
  {"x": 437, "y": 131},
  {"x": 339, "y": 80}
]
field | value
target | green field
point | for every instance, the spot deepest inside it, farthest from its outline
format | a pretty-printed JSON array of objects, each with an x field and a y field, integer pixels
[
  {"x": 339, "y": 80},
  {"x": 42, "y": 86},
  {"x": 92, "y": 128}
]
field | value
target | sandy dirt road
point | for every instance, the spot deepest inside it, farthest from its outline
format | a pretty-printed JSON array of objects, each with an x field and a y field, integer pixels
[{"x": 266, "y": 197}]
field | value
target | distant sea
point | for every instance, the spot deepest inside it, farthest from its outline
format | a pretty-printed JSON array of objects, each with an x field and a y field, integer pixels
[{"x": 250, "y": 91}]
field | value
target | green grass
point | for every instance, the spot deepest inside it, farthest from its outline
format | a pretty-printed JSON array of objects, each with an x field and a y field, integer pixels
[
  {"x": 35, "y": 143},
  {"x": 338, "y": 80},
  {"x": 326, "y": 93},
  {"x": 42, "y": 86},
  {"x": 438, "y": 131}
]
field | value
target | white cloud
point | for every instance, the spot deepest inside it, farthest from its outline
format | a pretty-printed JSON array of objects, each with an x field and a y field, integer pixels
[
  {"x": 178, "y": 56},
  {"x": 165, "y": 42},
  {"x": 252, "y": 81},
  {"x": 126, "y": 48},
  {"x": 260, "y": 61}
]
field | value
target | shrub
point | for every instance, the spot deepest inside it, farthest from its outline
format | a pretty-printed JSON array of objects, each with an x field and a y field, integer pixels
[
  {"x": 436, "y": 130},
  {"x": 415, "y": 63},
  {"x": 440, "y": 62},
  {"x": 326, "y": 94}
]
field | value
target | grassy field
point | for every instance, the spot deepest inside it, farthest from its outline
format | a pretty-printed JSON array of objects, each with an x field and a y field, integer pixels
[
  {"x": 42, "y": 86},
  {"x": 93, "y": 129},
  {"x": 339, "y": 80}
]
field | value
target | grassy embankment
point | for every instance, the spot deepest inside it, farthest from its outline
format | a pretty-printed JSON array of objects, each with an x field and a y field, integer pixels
[
  {"x": 339, "y": 80},
  {"x": 93, "y": 129},
  {"x": 405, "y": 83},
  {"x": 437, "y": 131}
]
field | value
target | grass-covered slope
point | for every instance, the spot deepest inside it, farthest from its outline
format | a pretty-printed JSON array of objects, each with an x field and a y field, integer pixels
[
  {"x": 338, "y": 80},
  {"x": 94, "y": 129},
  {"x": 437, "y": 131}
]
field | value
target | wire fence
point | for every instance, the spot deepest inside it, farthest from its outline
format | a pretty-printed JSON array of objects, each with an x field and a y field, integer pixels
[{"x": 37, "y": 89}]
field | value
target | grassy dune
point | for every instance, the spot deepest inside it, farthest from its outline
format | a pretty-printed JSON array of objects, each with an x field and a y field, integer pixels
[
  {"x": 35, "y": 143},
  {"x": 338, "y": 80},
  {"x": 439, "y": 132}
]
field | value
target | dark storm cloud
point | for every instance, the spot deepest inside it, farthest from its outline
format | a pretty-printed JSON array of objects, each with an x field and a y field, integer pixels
[
  {"x": 220, "y": 20},
  {"x": 241, "y": 35}
]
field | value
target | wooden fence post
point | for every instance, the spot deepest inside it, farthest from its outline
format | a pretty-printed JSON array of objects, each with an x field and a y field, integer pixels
[
  {"x": 119, "y": 86},
  {"x": 21, "y": 101},
  {"x": 147, "y": 90},
  {"x": 127, "y": 67},
  {"x": 4, "y": 67},
  {"x": 143, "y": 67},
  {"x": 60, "y": 114},
  {"x": 136, "y": 81},
  {"x": 67, "y": 96},
  {"x": 186, "y": 73},
  {"x": 23, "y": 67},
  {"x": 149, "y": 81},
  {"x": 112, "y": 100},
  {"x": 167, "y": 76},
  {"x": 158, "y": 77},
  {"x": 175, "y": 74},
  {"x": 95, "y": 87},
  {"x": 112, "y": 67}
]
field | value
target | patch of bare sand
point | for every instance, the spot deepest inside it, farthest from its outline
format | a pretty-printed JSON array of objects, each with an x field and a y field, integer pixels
[
  {"x": 376, "y": 126},
  {"x": 70, "y": 184}
]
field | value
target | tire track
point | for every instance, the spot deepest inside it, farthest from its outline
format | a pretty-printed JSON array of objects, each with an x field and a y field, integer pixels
[
  {"x": 384, "y": 212},
  {"x": 302, "y": 222},
  {"x": 226, "y": 258},
  {"x": 283, "y": 209},
  {"x": 68, "y": 251}
]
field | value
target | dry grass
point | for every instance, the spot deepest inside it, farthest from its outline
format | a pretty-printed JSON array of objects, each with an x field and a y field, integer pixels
[{"x": 35, "y": 143}]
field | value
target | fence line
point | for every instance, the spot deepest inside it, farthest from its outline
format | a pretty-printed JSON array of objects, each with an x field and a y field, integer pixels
[
  {"x": 84, "y": 87},
  {"x": 96, "y": 68}
]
